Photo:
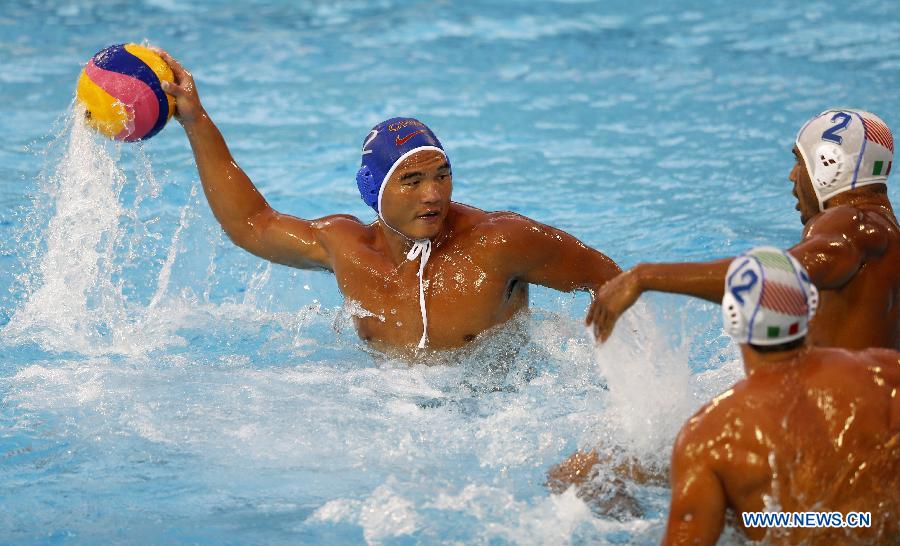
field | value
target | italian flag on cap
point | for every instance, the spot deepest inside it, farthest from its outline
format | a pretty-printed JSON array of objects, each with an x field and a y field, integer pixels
[{"x": 776, "y": 331}]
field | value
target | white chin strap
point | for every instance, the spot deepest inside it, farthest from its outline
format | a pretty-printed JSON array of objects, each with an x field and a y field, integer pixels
[{"x": 421, "y": 249}]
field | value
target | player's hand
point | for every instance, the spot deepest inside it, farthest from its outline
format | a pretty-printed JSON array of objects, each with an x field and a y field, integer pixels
[
  {"x": 611, "y": 301},
  {"x": 187, "y": 102}
]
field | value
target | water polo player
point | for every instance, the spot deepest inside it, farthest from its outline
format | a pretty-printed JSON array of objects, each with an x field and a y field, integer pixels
[
  {"x": 850, "y": 243},
  {"x": 809, "y": 429},
  {"x": 431, "y": 272}
]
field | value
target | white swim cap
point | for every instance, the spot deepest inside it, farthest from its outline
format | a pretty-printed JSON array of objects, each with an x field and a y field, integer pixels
[
  {"x": 844, "y": 149},
  {"x": 768, "y": 298}
]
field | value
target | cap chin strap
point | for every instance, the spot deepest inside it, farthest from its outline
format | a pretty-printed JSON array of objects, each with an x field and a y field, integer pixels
[{"x": 421, "y": 248}]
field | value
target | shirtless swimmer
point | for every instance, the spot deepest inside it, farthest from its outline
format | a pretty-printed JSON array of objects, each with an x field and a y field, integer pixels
[
  {"x": 809, "y": 429},
  {"x": 443, "y": 270}
]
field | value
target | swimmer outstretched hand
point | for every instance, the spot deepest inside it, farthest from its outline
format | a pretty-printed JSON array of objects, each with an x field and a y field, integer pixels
[
  {"x": 187, "y": 102},
  {"x": 704, "y": 280},
  {"x": 613, "y": 299}
]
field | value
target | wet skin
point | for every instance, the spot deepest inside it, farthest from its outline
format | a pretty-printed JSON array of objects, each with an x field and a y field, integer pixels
[
  {"x": 481, "y": 263},
  {"x": 851, "y": 251},
  {"x": 815, "y": 429}
]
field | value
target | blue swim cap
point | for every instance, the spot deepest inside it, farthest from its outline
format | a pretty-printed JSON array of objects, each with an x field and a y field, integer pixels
[{"x": 385, "y": 146}]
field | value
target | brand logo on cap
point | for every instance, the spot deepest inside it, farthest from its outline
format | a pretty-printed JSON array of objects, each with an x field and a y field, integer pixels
[{"x": 401, "y": 141}]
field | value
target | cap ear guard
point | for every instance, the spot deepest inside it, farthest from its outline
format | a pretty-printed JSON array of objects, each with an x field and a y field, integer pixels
[
  {"x": 812, "y": 293},
  {"x": 813, "y": 300},
  {"x": 829, "y": 166},
  {"x": 368, "y": 190},
  {"x": 732, "y": 319}
]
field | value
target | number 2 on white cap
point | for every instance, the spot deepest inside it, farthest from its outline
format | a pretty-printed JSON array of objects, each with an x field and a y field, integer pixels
[{"x": 831, "y": 134}]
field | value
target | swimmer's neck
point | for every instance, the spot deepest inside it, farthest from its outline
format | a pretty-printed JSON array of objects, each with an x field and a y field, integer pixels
[
  {"x": 398, "y": 244},
  {"x": 755, "y": 360}
]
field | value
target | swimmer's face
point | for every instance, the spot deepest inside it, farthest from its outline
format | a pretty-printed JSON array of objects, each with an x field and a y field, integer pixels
[
  {"x": 807, "y": 202},
  {"x": 416, "y": 197}
]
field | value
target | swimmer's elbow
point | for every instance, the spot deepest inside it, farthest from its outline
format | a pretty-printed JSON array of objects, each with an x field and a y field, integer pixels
[
  {"x": 606, "y": 269},
  {"x": 246, "y": 240},
  {"x": 249, "y": 233}
]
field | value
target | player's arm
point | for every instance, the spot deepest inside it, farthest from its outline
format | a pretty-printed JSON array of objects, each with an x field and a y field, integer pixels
[
  {"x": 836, "y": 244},
  {"x": 697, "y": 510},
  {"x": 540, "y": 254},
  {"x": 573, "y": 471},
  {"x": 702, "y": 280},
  {"x": 243, "y": 213},
  {"x": 577, "y": 468}
]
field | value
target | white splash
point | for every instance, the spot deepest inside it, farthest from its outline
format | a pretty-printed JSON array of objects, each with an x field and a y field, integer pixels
[
  {"x": 75, "y": 300},
  {"x": 649, "y": 382}
]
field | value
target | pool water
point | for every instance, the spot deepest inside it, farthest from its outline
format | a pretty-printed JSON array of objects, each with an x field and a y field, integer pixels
[{"x": 160, "y": 386}]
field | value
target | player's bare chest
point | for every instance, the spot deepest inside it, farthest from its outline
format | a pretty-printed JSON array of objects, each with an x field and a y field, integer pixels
[
  {"x": 463, "y": 295},
  {"x": 448, "y": 274}
]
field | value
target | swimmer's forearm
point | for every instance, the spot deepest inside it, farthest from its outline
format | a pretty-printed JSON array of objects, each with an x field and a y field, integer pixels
[
  {"x": 582, "y": 269},
  {"x": 233, "y": 198},
  {"x": 702, "y": 280}
]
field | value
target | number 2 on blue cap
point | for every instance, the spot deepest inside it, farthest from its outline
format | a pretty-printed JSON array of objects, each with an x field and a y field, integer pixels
[{"x": 369, "y": 139}]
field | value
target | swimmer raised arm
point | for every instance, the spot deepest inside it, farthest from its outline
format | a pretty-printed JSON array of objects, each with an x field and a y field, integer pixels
[
  {"x": 243, "y": 213},
  {"x": 834, "y": 248}
]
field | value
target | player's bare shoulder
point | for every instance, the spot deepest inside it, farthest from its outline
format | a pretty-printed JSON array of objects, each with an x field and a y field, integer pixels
[
  {"x": 705, "y": 425},
  {"x": 852, "y": 221},
  {"x": 884, "y": 363},
  {"x": 497, "y": 239},
  {"x": 833, "y": 221},
  {"x": 887, "y": 357},
  {"x": 872, "y": 228},
  {"x": 503, "y": 235},
  {"x": 851, "y": 373},
  {"x": 341, "y": 230},
  {"x": 469, "y": 223},
  {"x": 500, "y": 227}
]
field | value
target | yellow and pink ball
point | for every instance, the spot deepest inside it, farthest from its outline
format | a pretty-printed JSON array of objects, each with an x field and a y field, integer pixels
[{"x": 121, "y": 90}]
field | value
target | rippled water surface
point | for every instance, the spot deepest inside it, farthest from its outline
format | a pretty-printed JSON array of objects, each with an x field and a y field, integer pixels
[{"x": 159, "y": 385}]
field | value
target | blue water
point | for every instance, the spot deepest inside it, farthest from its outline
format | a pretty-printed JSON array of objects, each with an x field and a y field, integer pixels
[{"x": 160, "y": 386}]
